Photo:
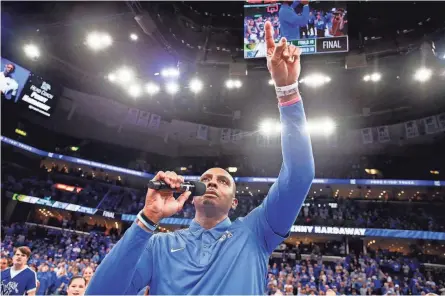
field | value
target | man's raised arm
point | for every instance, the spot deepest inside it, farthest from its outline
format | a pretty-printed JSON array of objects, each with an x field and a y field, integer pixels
[
  {"x": 272, "y": 220},
  {"x": 289, "y": 191}
]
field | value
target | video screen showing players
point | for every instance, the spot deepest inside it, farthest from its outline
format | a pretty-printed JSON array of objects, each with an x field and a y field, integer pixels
[{"x": 317, "y": 27}]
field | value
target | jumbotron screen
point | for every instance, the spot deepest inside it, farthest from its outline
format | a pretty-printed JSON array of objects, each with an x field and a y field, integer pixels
[
  {"x": 318, "y": 27},
  {"x": 27, "y": 91}
]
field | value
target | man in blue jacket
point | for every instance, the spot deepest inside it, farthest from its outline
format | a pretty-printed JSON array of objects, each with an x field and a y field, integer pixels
[
  {"x": 214, "y": 255},
  {"x": 290, "y": 21}
]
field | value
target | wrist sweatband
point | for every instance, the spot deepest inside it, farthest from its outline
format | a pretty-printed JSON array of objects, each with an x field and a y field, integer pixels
[
  {"x": 283, "y": 91},
  {"x": 147, "y": 222}
]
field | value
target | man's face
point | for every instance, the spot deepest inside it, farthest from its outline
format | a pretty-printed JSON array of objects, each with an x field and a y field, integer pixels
[
  {"x": 8, "y": 68},
  {"x": 3, "y": 264},
  {"x": 220, "y": 194},
  {"x": 19, "y": 258}
]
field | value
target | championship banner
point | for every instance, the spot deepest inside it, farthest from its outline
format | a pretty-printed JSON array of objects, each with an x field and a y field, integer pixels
[
  {"x": 441, "y": 121},
  {"x": 430, "y": 125},
  {"x": 367, "y": 137},
  {"x": 225, "y": 135},
  {"x": 202, "y": 132},
  {"x": 235, "y": 136},
  {"x": 411, "y": 129},
  {"x": 155, "y": 122},
  {"x": 143, "y": 119},
  {"x": 132, "y": 115},
  {"x": 383, "y": 134}
]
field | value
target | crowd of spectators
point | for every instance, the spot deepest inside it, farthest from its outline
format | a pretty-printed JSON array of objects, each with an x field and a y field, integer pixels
[
  {"x": 121, "y": 199},
  {"x": 379, "y": 273},
  {"x": 401, "y": 215},
  {"x": 59, "y": 254}
]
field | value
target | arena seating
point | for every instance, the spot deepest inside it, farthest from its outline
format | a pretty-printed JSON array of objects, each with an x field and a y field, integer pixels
[
  {"x": 111, "y": 197},
  {"x": 294, "y": 270},
  {"x": 69, "y": 252}
]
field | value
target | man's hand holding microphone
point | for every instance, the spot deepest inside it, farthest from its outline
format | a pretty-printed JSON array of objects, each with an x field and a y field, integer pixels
[{"x": 160, "y": 202}]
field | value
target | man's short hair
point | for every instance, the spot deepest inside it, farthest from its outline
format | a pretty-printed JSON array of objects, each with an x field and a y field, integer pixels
[{"x": 24, "y": 250}]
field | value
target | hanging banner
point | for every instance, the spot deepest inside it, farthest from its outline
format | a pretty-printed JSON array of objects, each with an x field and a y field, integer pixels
[
  {"x": 132, "y": 115},
  {"x": 143, "y": 119},
  {"x": 367, "y": 137},
  {"x": 225, "y": 135},
  {"x": 430, "y": 125},
  {"x": 441, "y": 121},
  {"x": 235, "y": 136},
  {"x": 383, "y": 134},
  {"x": 411, "y": 129},
  {"x": 202, "y": 132},
  {"x": 155, "y": 122}
]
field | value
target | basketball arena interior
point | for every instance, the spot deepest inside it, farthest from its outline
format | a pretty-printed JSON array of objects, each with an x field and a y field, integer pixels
[{"x": 101, "y": 99}]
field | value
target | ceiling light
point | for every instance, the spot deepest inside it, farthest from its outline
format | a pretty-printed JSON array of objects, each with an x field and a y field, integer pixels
[
  {"x": 133, "y": 37},
  {"x": 423, "y": 74},
  {"x": 151, "y": 88},
  {"x": 31, "y": 51},
  {"x": 172, "y": 88}
]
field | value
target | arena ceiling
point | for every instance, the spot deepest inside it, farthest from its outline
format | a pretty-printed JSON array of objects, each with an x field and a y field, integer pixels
[{"x": 205, "y": 40}]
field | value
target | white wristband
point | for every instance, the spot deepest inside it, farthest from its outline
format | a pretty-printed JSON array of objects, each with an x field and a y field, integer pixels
[
  {"x": 142, "y": 220},
  {"x": 283, "y": 91}
]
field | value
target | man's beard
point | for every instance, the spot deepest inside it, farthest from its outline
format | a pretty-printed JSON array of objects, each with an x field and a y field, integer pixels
[{"x": 208, "y": 202}]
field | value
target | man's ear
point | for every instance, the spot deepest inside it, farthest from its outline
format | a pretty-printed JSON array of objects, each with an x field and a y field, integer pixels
[{"x": 234, "y": 203}]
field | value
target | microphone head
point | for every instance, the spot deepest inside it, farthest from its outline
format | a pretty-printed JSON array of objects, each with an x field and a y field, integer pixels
[{"x": 199, "y": 189}]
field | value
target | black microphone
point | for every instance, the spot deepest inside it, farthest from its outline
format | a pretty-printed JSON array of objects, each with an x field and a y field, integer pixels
[{"x": 195, "y": 187}]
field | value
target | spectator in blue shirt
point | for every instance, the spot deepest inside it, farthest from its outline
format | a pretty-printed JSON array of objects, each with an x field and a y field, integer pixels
[
  {"x": 19, "y": 279},
  {"x": 290, "y": 21},
  {"x": 320, "y": 24},
  {"x": 211, "y": 256},
  {"x": 44, "y": 278},
  {"x": 311, "y": 24}
]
